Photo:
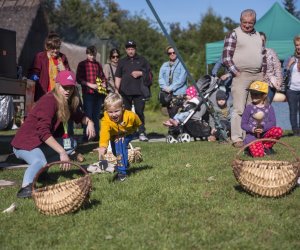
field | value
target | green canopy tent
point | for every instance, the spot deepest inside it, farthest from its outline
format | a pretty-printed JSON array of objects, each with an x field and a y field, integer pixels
[{"x": 280, "y": 28}]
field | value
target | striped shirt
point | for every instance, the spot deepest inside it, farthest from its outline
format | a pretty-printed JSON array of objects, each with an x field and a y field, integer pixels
[{"x": 88, "y": 71}]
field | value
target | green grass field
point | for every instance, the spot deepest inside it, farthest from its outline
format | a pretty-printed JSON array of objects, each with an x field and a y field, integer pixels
[{"x": 182, "y": 196}]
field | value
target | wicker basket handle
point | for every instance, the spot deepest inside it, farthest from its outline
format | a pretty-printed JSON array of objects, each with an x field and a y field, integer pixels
[
  {"x": 47, "y": 166},
  {"x": 292, "y": 150},
  {"x": 130, "y": 146}
]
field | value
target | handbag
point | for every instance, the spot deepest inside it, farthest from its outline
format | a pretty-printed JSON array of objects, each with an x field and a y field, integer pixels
[
  {"x": 285, "y": 82},
  {"x": 145, "y": 90},
  {"x": 165, "y": 98}
]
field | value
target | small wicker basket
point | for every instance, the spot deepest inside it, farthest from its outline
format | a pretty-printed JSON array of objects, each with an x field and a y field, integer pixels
[
  {"x": 64, "y": 197},
  {"x": 266, "y": 178},
  {"x": 134, "y": 155}
]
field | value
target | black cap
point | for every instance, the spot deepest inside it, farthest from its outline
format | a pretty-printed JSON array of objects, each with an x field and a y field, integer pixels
[
  {"x": 221, "y": 95},
  {"x": 130, "y": 44}
]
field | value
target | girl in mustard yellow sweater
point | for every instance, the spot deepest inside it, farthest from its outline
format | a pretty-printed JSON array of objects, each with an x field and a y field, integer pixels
[{"x": 117, "y": 126}]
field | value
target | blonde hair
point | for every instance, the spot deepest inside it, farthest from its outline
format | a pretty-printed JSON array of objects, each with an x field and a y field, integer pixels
[
  {"x": 113, "y": 99},
  {"x": 65, "y": 107},
  {"x": 296, "y": 39}
]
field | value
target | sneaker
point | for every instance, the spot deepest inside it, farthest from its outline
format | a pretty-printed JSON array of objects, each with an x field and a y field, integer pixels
[
  {"x": 120, "y": 177},
  {"x": 143, "y": 137},
  {"x": 25, "y": 192}
]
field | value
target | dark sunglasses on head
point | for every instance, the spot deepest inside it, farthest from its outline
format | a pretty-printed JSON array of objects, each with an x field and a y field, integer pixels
[
  {"x": 115, "y": 56},
  {"x": 171, "y": 53}
]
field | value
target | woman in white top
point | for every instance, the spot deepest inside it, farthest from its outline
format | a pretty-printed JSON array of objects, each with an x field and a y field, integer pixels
[{"x": 292, "y": 69}]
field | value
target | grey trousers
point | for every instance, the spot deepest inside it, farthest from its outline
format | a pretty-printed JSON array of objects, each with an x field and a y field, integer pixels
[{"x": 239, "y": 98}]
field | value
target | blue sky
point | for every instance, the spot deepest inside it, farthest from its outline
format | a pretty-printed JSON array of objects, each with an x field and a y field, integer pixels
[{"x": 185, "y": 11}]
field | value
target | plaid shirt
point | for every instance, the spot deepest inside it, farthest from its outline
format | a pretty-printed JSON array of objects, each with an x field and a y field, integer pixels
[
  {"x": 88, "y": 71},
  {"x": 228, "y": 52}
]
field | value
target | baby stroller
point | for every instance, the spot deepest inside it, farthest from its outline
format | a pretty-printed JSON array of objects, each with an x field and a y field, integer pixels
[{"x": 196, "y": 123}]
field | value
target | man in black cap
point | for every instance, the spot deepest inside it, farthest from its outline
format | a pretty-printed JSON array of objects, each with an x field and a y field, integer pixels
[{"x": 132, "y": 72}]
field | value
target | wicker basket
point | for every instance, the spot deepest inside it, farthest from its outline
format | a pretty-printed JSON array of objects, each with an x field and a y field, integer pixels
[
  {"x": 266, "y": 178},
  {"x": 64, "y": 197},
  {"x": 134, "y": 155}
]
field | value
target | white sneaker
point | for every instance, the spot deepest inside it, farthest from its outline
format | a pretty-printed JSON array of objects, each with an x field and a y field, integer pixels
[
  {"x": 94, "y": 169},
  {"x": 143, "y": 137},
  {"x": 110, "y": 168},
  {"x": 14, "y": 127}
]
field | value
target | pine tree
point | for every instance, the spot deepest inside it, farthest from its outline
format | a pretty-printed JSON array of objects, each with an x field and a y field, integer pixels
[{"x": 289, "y": 5}]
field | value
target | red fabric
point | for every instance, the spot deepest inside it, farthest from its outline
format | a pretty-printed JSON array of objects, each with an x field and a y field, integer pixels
[
  {"x": 41, "y": 69},
  {"x": 88, "y": 71},
  {"x": 257, "y": 149},
  {"x": 41, "y": 123}
]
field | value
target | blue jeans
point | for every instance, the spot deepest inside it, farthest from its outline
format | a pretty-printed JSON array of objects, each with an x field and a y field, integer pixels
[
  {"x": 293, "y": 98},
  {"x": 120, "y": 148},
  {"x": 92, "y": 105},
  {"x": 38, "y": 158}
]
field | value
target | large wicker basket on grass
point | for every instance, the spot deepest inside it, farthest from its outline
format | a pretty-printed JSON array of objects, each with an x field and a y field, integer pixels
[
  {"x": 64, "y": 197},
  {"x": 269, "y": 178}
]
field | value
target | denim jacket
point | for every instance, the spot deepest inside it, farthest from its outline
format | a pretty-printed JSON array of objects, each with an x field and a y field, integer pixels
[{"x": 178, "y": 74}]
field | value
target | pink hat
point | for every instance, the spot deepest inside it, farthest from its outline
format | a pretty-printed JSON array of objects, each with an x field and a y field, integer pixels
[
  {"x": 66, "y": 78},
  {"x": 191, "y": 91}
]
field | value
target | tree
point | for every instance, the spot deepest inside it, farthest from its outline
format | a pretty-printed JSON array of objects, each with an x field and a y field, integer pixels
[{"x": 289, "y": 5}]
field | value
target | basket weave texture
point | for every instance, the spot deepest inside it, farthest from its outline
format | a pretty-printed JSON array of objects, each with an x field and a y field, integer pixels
[
  {"x": 134, "y": 155},
  {"x": 64, "y": 197},
  {"x": 266, "y": 178}
]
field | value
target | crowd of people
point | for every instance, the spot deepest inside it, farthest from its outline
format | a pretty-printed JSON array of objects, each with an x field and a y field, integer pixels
[{"x": 251, "y": 74}]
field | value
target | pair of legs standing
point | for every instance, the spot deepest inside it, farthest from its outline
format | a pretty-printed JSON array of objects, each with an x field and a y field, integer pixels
[
  {"x": 293, "y": 98},
  {"x": 92, "y": 106},
  {"x": 239, "y": 97},
  {"x": 139, "y": 106}
]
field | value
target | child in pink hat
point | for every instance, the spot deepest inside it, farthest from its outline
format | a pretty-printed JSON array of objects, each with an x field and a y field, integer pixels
[{"x": 188, "y": 106}]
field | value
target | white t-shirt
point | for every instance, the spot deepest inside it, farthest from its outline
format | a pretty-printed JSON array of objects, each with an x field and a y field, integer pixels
[{"x": 295, "y": 78}]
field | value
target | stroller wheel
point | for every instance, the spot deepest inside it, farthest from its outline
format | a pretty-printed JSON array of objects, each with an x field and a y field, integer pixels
[
  {"x": 185, "y": 137},
  {"x": 171, "y": 139}
]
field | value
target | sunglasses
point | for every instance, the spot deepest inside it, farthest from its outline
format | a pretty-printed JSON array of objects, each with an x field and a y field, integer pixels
[
  {"x": 171, "y": 53},
  {"x": 115, "y": 56}
]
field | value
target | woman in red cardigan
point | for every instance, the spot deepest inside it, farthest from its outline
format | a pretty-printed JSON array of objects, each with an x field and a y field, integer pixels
[
  {"x": 43, "y": 135},
  {"x": 46, "y": 66}
]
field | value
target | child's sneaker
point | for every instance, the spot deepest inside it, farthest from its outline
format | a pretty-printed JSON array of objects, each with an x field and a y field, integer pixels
[{"x": 120, "y": 177}]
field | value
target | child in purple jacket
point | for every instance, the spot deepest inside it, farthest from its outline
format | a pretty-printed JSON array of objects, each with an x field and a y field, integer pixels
[{"x": 258, "y": 120}]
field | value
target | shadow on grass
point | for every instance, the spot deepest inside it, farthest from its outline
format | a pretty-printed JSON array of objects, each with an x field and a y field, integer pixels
[
  {"x": 241, "y": 190},
  {"x": 134, "y": 170},
  {"x": 156, "y": 136},
  {"x": 86, "y": 148},
  {"x": 90, "y": 204}
]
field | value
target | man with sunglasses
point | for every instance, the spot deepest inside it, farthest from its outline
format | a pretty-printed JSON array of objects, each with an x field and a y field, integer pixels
[
  {"x": 172, "y": 78},
  {"x": 132, "y": 72}
]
